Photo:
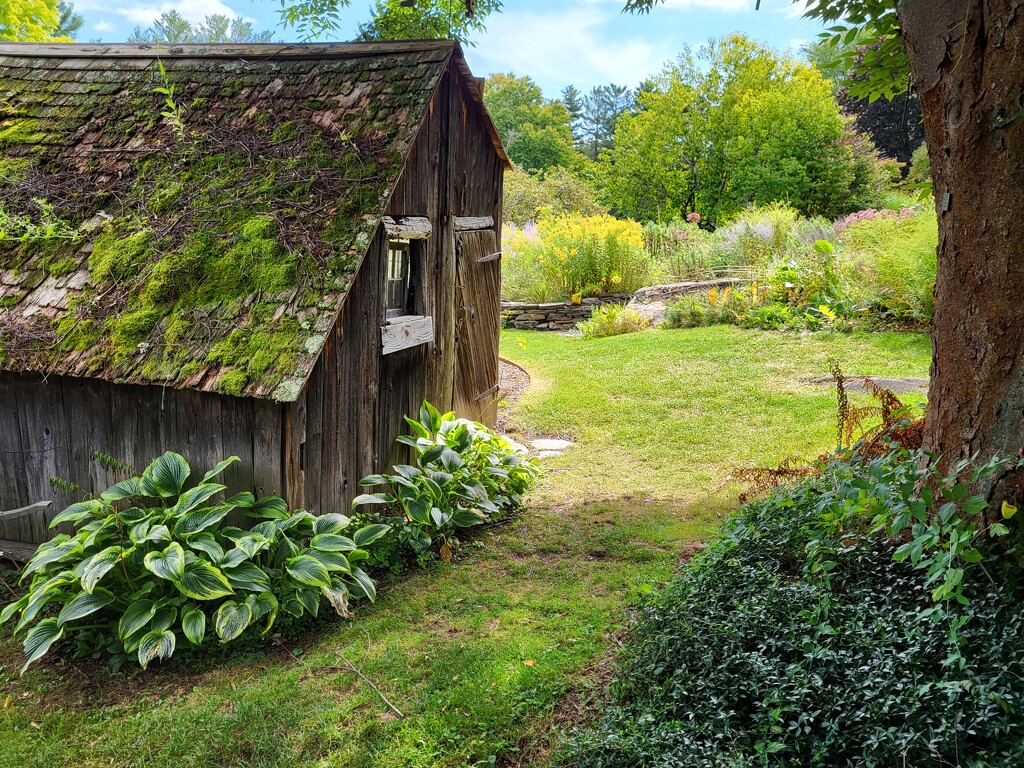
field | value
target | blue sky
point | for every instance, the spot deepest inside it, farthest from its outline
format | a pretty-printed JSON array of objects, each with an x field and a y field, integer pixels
[{"x": 582, "y": 42}]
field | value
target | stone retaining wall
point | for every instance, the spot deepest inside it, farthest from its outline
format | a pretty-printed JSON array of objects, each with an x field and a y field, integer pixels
[
  {"x": 562, "y": 316},
  {"x": 553, "y": 316}
]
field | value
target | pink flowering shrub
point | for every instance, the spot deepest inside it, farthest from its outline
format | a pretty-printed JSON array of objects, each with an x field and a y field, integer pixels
[{"x": 870, "y": 214}]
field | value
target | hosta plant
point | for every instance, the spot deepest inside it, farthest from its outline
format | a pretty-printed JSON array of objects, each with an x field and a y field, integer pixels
[
  {"x": 151, "y": 563},
  {"x": 465, "y": 474}
]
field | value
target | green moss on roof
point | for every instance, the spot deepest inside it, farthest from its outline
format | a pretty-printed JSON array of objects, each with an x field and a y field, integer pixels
[{"x": 217, "y": 259}]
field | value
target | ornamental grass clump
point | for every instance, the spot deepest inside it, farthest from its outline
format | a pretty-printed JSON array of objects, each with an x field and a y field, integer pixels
[{"x": 151, "y": 564}]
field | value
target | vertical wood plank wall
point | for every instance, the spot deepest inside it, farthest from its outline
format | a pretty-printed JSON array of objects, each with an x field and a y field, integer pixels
[{"x": 49, "y": 428}]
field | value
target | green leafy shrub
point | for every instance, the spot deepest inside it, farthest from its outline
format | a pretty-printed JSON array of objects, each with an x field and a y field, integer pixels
[
  {"x": 889, "y": 265},
  {"x": 528, "y": 196},
  {"x": 729, "y": 305},
  {"x": 805, "y": 636},
  {"x": 613, "y": 320},
  {"x": 465, "y": 475},
  {"x": 920, "y": 166},
  {"x": 151, "y": 562}
]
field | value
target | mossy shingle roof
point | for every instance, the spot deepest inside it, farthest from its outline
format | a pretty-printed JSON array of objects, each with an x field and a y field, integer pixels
[{"x": 200, "y": 227}]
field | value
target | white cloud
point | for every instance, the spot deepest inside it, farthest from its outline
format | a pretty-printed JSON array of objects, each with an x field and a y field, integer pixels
[
  {"x": 145, "y": 13},
  {"x": 103, "y": 26},
  {"x": 728, "y": 6},
  {"x": 566, "y": 46}
]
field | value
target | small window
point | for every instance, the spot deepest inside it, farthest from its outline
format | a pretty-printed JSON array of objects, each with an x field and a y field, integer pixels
[{"x": 397, "y": 283}]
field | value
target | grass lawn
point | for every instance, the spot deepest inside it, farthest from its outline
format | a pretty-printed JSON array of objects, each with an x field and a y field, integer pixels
[{"x": 490, "y": 657}]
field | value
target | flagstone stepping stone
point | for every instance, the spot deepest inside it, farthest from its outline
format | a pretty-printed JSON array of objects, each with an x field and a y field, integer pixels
[
  {"x": 858, "y": 383},
  {"x": 550, "y": 444}
]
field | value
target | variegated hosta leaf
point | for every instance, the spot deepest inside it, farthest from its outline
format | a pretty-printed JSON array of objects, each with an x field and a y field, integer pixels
[
  {"x": 331, "y": 523},
  {"x": 333, "y": 561},
  {"x": 39, "y": 639},
  {"x": 248, "y": 577},
  {"x": 137, "y": 616},
  {"x": 269, "y": 508},
  {"x": 308, "y": 570},
  {"x": 193, "y": 625},
  {"x": 364, "y": 586},
  {"x": 337, "y": 596},
  {"x": 332, "y": 542},
  {"x": 169, "y": 564},
  {"x": 232, "y": 557},
  {"x": 84, "y": 604},
  {"x": 221, "y": 466},
  {"x": 123, "y": 490},
  {"x": 76, "y": 513},
  {"x": 202, "y": 581},
  {"x": 166, "y": 476},
  {"x": 266, "y": 605},
  {"x": 192, "y": 516},
  {"x": 98, "y": 565},
  {"x": 369, "y": 534},
  {"x": 232, "y": 619},
  {"x": 205, "y": 542},
  {"x": 52, "y": 555},
  {"x": 158, "y": 644},
  {"x": 310, "y": 600},
  {"x": 251, "y": 544},
  {"x": 12, "y": 608}
]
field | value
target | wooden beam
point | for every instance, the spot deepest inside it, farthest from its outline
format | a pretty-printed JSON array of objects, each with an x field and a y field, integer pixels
[
  {"x": 467, "y": 223},
  {"x": 406, "y": 331},
  {"x": 407, "y": 227},
  {"x": 18, "y": 551},
  {"x": 38, "y": 507}
]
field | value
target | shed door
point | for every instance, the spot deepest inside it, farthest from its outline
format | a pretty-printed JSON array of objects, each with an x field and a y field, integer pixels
[{"x": 477, "y": 325}]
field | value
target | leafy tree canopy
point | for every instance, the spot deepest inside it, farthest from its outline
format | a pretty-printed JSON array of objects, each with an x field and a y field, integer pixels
[
  {"x": 29, "y": 21},
  {"x": 172, "y": 27},
  {"x": 737, "y": 124},
  {"x": 536, "y": 132},
  {"x": 427, "y": 19}
]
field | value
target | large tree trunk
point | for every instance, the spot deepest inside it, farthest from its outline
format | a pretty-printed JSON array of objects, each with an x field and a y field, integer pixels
[{"x": 967, "y": 60}]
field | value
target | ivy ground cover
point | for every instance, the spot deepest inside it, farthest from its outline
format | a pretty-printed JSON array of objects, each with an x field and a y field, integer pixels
[{"x": 488, "y": 658}]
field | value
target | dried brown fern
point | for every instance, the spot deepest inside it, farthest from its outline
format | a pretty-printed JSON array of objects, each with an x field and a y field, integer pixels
[{"x": 761, "y": 480}]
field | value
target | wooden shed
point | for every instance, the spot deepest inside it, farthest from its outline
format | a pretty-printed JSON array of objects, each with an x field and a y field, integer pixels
[{"x": 269, "y": 251}]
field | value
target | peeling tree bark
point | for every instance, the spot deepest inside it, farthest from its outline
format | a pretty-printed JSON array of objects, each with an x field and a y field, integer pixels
[{"x": 967, "y": 61}]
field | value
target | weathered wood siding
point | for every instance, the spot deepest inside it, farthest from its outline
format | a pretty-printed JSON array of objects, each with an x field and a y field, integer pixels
[
  {"x": 344, "y": 423},
  {"x": 50, "y": 428},
  {"x": 353, "y": 405}
]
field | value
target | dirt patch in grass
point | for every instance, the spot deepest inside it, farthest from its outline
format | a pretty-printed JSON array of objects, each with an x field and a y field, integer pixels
[{"x": 512, "y": 382}]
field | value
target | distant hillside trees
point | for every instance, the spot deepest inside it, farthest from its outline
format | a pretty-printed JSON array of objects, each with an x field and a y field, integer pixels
[{"x": 172, "y": 27}]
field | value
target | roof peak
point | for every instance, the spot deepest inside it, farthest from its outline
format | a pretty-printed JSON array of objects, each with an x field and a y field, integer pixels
[{"x": 223, "y": 50}]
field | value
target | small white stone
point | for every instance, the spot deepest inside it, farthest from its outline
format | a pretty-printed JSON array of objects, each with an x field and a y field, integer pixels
[
  {"x": 550, "y": 444},
  {"x": 548, "y": 454}
]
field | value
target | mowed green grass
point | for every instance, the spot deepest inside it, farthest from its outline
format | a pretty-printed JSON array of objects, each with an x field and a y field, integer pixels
[{"x": 491, "y": 657}]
